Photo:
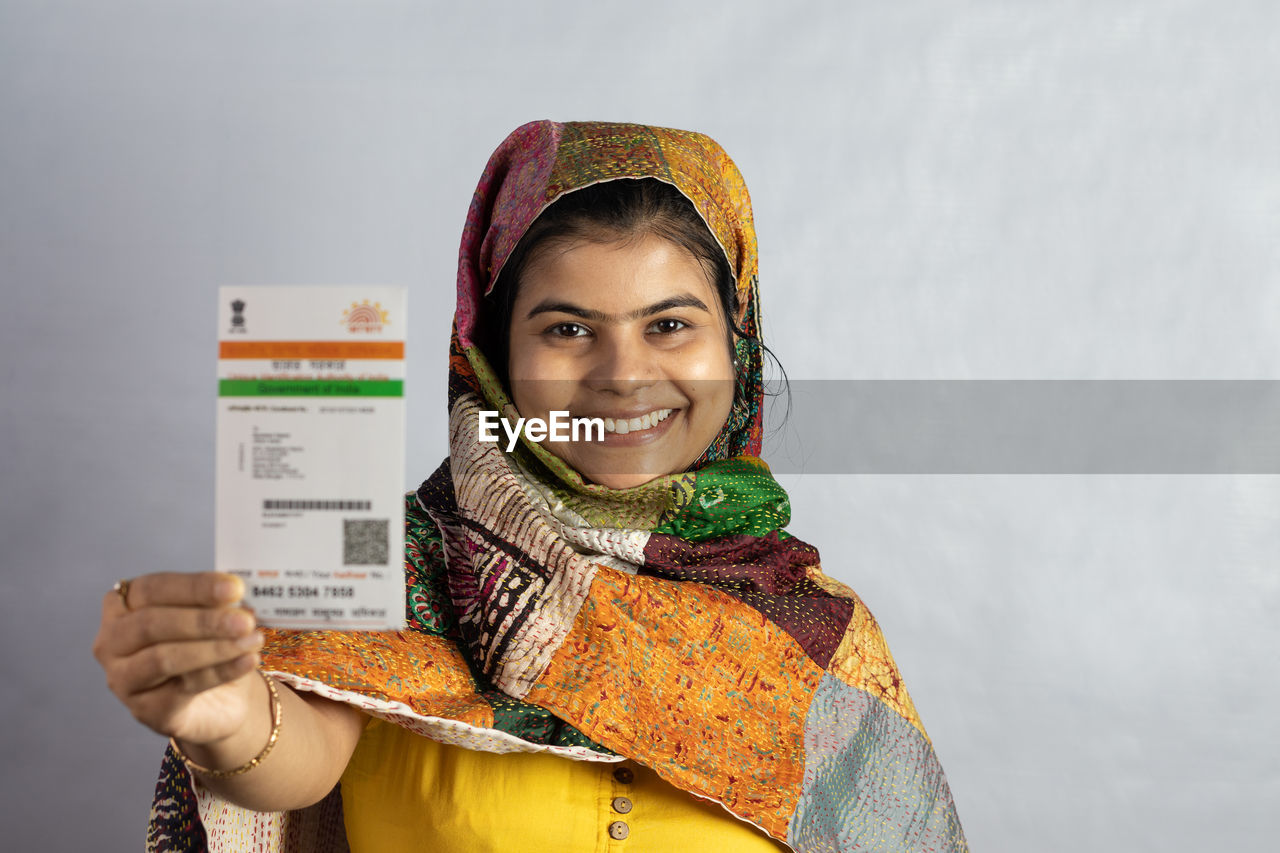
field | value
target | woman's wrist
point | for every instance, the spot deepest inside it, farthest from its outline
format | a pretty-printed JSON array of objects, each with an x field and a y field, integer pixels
[{"x": 245, "y": 748}]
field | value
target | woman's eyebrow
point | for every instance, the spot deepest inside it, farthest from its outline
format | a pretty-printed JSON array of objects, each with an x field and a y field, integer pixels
[{"x": 683, "y": 300}]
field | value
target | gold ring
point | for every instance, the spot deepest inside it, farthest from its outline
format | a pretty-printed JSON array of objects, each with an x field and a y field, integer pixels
[{"x": 122, "y": 590}]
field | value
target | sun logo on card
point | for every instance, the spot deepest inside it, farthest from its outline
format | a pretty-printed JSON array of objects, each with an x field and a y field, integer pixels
[{"x": 365, "y": 317}]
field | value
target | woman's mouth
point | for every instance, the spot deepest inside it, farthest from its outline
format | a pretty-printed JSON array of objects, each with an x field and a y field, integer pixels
[
  {"x": 625, "y": 426},
  {"x": 635, "y": 431}
]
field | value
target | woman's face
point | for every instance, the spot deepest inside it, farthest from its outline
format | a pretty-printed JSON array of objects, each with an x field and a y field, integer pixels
[{"x": 631, "y": 332}]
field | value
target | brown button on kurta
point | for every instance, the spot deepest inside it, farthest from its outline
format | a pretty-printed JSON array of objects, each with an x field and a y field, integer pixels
[
  {"x": 619, "y": 830},
  {"x": 624, "y": 775},
  {"x": 621, "y": 805}
]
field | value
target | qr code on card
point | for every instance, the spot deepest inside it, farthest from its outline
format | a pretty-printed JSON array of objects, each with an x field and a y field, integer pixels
[{"x": 364, "y": 541}]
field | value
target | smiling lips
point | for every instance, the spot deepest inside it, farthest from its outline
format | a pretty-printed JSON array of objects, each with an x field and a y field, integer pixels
[{"x": 623, "y": 426}]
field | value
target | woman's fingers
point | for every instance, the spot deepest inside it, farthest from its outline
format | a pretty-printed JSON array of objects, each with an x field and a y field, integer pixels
[
  {"x": 173, "y": 647},
  {"x": 154, "y": 665},
  {"x": 168, "y": 607},
  {"x": 211, "y": 676},
  {"x": 201, "y": 680},
  {"x": 138, "y": 629},
  {"x": 181, "y": 589},
  {"x": 169, "y": 709}
]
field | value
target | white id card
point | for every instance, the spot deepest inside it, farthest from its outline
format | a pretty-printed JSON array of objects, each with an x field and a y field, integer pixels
[{"x": 310, "y": 453}]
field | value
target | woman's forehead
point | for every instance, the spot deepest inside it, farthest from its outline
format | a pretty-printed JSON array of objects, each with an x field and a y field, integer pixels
[{"x": 619, "y": 277}]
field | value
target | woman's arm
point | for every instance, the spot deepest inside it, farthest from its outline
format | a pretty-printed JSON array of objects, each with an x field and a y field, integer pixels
[
  {"x": 182, "y": 657},
  {"x": 317, "y": 737}
]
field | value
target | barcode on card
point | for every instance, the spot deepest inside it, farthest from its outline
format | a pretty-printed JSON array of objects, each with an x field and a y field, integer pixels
[
  {"x": 364, "y": 541},
  {"x": 312, "y": 504}
]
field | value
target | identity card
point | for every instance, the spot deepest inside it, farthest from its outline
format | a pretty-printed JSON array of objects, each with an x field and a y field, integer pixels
[{"x": 310, "y": 453}]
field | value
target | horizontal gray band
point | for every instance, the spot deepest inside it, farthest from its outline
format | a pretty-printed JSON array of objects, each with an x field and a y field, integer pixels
[{"x": 1024, "y": 427}]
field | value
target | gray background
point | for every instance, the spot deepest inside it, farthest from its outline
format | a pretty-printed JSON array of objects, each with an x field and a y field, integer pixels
[{"x": 944, "y": 190}]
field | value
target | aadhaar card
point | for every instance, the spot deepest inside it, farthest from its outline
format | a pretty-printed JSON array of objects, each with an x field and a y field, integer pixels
[{"x": 310, "y": 453}]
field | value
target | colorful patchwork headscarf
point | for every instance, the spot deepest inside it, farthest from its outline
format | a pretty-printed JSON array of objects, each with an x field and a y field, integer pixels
[{"x": 676, "y": 624}]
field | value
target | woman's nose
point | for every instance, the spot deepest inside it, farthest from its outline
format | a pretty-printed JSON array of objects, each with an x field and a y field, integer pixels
[{"x": 622, "y": 364}]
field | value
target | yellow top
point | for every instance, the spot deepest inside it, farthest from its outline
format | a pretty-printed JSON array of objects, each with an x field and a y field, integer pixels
[{"x": 402, "y": 792}]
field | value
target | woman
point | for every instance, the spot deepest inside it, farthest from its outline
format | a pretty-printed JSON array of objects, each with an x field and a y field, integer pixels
[{"x": 632, "y": 603}]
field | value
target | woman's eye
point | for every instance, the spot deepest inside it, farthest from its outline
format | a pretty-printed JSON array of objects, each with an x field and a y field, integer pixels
[
  {"x": 668, "y": 325},
  {"x": 567, "y": 330}
]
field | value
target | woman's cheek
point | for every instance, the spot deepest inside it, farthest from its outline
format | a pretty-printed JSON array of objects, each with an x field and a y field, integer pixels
[{"x": 707, "y": 361}]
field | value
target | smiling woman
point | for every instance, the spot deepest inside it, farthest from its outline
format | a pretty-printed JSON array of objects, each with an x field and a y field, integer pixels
[
  {"x": 626, "y": 331},
  {"x": 609, "y": 641}
]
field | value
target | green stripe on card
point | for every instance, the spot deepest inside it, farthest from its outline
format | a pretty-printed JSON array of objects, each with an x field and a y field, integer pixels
[{"x": 310, "y": 388}]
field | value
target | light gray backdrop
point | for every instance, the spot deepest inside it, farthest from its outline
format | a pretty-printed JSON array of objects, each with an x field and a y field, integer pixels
[{"x": 944, "y": 190}]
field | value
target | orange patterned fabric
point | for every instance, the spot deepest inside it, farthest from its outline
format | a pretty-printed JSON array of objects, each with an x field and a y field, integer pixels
[
  {"x": 428, "y": 675},
  {"x": 721, "y": 699}
]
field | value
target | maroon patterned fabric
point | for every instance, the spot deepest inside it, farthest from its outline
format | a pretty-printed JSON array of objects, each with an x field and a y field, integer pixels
[{"x": 766, "y": 572}]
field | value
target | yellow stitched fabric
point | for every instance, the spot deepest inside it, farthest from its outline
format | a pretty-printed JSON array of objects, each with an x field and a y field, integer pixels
[{"x": 402, "y": 792}]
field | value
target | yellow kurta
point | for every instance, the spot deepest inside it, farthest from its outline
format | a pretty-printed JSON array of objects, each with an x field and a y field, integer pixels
[{"x": 402, "y": 792}]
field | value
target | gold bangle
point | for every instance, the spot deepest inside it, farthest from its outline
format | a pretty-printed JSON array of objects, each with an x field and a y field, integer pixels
[{"x": 252, "y": 762}]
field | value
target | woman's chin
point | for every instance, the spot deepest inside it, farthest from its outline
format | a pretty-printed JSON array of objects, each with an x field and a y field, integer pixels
[
  {"x": 619, "y": 476},
  {"x": 622, "y": 481}
]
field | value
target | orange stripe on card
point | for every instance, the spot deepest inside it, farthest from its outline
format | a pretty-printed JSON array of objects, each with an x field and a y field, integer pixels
[{"x": 311, "y": 349}]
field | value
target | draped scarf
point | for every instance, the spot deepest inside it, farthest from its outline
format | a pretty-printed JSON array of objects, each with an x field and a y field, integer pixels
[{"x": 676, "y": 624}]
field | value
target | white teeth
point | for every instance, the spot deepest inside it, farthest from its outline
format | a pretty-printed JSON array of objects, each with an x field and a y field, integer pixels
[{"x": 647, "y": 421}]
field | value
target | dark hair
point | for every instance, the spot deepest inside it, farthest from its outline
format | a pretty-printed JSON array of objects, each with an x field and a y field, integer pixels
[{"x": 617, "y": 210}]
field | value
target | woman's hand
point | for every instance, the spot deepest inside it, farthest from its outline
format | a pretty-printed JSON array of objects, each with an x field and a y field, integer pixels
[{"x": 181, "y": 655}]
